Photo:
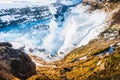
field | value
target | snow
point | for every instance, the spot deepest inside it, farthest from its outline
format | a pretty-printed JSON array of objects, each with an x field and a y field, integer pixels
[
  {"x": 6, "y": 18},
  {"x": 78, "y": 29},
  {"x": 99, "y": 62},
  {"x": 24, "y": 3},
  {"x": 83, "y": 58},
  {"x": 70, "y": 2},
  {"x": 118, "y": 44},
  {"x": 81, "y": 28}
]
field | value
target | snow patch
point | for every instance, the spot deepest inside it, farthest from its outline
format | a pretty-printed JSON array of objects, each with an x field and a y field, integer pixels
[
  {"x": 69, "y": 2},
  {"x": 99, "y": 62},
  {"x": 83, "y": 58}
]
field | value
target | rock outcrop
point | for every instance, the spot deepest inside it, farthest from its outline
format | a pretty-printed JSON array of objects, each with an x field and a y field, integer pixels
[{"x": 14, "y": 62}]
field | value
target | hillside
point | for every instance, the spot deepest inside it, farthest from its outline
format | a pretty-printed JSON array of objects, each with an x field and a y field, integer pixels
[{"x": 96, "y": 60}]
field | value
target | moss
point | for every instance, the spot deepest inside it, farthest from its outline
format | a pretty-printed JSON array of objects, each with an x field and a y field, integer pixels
[
  {"x": 114, "y": 57},
  {"x": 111, "y": 71},
  {"x": 72, "y": 68}
]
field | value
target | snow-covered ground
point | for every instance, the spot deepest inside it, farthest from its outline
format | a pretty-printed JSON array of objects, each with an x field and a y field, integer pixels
[
  {"x": 69, "y": 2},
  {"x": 6, "y": 4},
  {"x": 78, "y": 28},
  {"x": 31, "y": 3}
]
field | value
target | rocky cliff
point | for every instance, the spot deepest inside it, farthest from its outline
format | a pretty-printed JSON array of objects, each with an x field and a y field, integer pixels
[{"x": 14, "y": 62}]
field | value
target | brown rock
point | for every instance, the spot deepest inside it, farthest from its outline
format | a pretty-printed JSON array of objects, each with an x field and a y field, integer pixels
[{"x": 17, "y": 62}]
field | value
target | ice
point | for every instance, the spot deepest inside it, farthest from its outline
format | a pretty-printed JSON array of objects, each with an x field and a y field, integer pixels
[
  {"x": 81, "y": 28},
  {"x": 70, "y": 2},
  {"x": 56, "y": 40},
  {"x": 23, "y": 3},
  {"x": 6, "y": 18}
]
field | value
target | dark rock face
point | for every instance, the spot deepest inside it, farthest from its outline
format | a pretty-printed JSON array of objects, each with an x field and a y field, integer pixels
[
  {"x": 5, "y": 44},
  {"x": 17, "y": 62},
  {"x": 5, "y": 71},
  {"x": 113, "y": 0}
]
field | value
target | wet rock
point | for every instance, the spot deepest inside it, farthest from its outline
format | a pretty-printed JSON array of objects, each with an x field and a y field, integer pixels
[
  {"x": 5, "y": 44},
  {"x": 66, "y": 70},
  {"x": 41, "y": 27},
  {"x": 17, "y": 62},
  {"x": 91, "y": 69},
  {"x": 5, "y": 71}
]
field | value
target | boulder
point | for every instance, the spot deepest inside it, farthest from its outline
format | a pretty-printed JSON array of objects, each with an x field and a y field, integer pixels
[{"x": 18, "y": 63}]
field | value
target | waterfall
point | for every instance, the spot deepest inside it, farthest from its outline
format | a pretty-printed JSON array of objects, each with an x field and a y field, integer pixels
[{"x": 49, "y": 31}]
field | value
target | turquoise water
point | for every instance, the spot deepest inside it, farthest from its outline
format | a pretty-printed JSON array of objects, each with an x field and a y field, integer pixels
[{"x": 26, "y": 25}]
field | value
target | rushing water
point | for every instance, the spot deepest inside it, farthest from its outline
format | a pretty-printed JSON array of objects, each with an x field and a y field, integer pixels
[{"x": 70, "y": 26}]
